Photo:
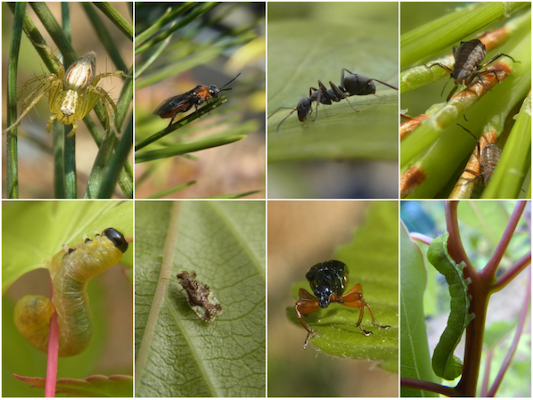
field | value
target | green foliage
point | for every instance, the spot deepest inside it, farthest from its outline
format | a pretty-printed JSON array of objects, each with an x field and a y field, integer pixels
[{"x": 178, "y": 354}]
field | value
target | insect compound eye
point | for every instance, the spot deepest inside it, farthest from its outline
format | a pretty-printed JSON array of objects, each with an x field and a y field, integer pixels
[
  {"x": 214, "y": 91},
  {"x": 117, "y": 238}
]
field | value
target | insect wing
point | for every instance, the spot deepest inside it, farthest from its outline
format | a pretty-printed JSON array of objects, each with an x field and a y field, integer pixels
[{"x": 179, "y": 103}]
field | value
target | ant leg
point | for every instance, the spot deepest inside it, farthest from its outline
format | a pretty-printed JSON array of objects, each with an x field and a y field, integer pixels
[{"x": 340, "y": 93}]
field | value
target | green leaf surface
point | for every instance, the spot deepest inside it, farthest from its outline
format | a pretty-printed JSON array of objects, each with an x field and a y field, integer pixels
[
  {"x": 34, "y": 232},
  {"x": 178, "y": 354},
  {"x": 415, "y": 361},
  {"x": 297, "y": 60},
  {"x": 93, "y": 386},
  {"x": 372, "y": 259}
]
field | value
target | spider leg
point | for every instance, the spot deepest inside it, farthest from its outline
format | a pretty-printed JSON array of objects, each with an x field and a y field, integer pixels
[
  {"x": 31, "y": 105},
  {"x": 107, "y": 74},
  {"x": 107, "y": 102}
]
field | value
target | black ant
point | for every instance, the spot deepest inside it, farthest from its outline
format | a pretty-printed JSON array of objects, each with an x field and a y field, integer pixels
[
  {"x": 328, "y": 281},
  {"x": 468, "y": 58},
  {"x": 170, "y": 107},
  {"x": 488, "y": 159},
  {"x": 351, "y": 85}
]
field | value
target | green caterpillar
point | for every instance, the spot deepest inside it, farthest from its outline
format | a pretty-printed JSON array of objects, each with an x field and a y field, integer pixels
[
  {"x": 71, "y": 271},
  {"x": 445, "y": 364}
]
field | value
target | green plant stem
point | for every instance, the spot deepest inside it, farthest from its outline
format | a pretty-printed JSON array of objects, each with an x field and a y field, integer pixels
[
  {"x": 171, "y": 190},
  {"x": 12, "y": 134},
  {"x": 201, "y": 9},
  {"x": 169, "y": 16},
  {"x": 116, "y": 164},
  {"x": 71, "y": 179},
  {"x": 104, "y": 36},
  {"x": 181, "y": 123},
  {"x": 116, "y": 18},
  {"x": 449, "y": 29}
]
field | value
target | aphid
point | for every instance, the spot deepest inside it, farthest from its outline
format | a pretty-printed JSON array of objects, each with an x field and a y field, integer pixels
[
  {"x": 468, "y": 58},
  {"x": 71, "y": 270},
  {"x": 181, "y": 103},
  {"x": 351, "y": 85},
  {"x": 328, "y": 281},
  {"x": 488, "y": 158},
  {"x": 71, "y": 94},
  {"x": 199, "y": 297}
]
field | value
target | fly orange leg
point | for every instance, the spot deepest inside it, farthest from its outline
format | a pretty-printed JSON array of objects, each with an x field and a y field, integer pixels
[
  {"x": 354, "y": 298},
  {"x": 306, "y": 305}
]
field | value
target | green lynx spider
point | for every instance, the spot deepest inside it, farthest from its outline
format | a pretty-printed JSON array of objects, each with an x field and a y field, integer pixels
[{"x": 71, "y": 94}]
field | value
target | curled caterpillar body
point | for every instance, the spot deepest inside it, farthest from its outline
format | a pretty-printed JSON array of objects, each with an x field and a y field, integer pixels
[{"x": 70, "y": 273}]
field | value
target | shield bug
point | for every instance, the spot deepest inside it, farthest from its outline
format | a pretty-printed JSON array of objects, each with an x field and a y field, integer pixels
[
  {"x": 468, "y": 62},
  {"x": 181, "y": 103},
  {"x": 328, "y": 281},
  {"x": 199, "y": 297}
]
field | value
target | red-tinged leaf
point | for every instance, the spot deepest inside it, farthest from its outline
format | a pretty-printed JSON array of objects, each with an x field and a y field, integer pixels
[{"x": 93, "y": 386}]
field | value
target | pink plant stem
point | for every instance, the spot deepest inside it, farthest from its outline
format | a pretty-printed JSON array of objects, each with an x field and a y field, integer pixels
[
  {"x": 53, "y": 348},
  {"x": 510, "y": 354}
]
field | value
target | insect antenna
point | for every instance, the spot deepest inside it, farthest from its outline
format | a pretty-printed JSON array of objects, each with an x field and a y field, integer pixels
[
  {"x": 222, "y": 88},
  {"x": 283, "y": 120}
]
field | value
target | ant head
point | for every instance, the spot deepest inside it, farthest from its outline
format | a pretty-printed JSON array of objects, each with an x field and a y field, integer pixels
[
  {"x": 214, "y": 90},
  {"x": 357, "y": 84},
  {"x": 304, "y": 107}
]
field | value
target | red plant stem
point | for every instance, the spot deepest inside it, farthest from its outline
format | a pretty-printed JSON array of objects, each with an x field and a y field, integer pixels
[
  {"x": 455, "y": 245},
  {"x": 490, "y": 269},
  {"x": 509, "y": 356},
  {"x": 512, "y": 273},
  {"x": 429, "y": 386},
  {"x": 53, "y": 349}
]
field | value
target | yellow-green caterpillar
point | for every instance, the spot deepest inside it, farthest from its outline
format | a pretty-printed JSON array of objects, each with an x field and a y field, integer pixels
[
  {"x": 70, "y": 271},
  {"x": 444, "y": 363}
]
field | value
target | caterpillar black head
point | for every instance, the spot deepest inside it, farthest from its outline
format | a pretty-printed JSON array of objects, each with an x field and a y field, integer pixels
[{"x": 117, "y": 238}]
